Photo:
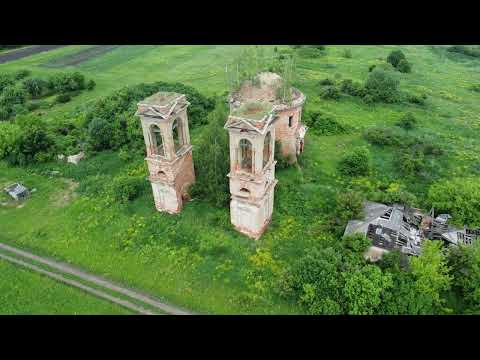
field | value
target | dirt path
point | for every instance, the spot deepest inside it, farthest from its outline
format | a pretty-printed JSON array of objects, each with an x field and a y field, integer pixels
[
  {"x": 60, "y": 278},
  {"x": 80, "y": 56},
  {"x": 97, "y": 280},
  {"x": 28, "y": 51}
]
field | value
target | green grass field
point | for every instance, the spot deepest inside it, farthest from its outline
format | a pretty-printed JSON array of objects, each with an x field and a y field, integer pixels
[
  {"x": 26, "y": 293},
  {"x": 212, "y": 274}
]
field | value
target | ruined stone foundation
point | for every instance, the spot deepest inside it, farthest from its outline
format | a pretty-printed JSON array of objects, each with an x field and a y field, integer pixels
[{"x": 252, "y": 216}]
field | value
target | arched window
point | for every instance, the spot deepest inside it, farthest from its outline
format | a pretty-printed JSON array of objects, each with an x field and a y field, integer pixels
[
  {"x": 157, "y": 141},
  {"x": 267, "y": 149},
  {"x": 246, "y": 162},
  {"x": 178, "y": 136}
]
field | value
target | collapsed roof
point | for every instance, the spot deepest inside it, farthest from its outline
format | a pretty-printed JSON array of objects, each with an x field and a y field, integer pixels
[
  {"x": 255, "y": 105},
  {"x": 162, "y": 105}
]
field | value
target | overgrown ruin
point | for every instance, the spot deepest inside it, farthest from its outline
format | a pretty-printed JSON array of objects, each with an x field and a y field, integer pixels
[
  {"x": 169, "y": 152},
  {"x": 260, "y": 114},
  {"x": 398, "y": 227}
]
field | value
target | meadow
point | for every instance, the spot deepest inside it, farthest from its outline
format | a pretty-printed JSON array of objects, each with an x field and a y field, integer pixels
[
  {"x": 196, "y": 259},
  {"x": 26, "y": 293}
]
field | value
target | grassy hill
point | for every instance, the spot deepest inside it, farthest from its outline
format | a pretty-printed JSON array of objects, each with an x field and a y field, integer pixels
[{"x": 196, "y": 259}]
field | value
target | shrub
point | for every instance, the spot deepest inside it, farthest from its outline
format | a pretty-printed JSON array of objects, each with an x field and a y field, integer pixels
[
  {"x": 124, "y": 188},
  {"x": 5, "y": 113},
  {"x": 351, "y": 88},
  {"x": 459, "y": 197},
  {"x": 99, "y": 134},
  {"x": 309, "y": 52},
  {"x": 9, "y": 132},
  {"x": 330, "y": 93},
  {"x": 19, "y": 109},
  {"x": 5, "y": 81},
  {"x": 382, "y": 136},
  {"x": 90, "y": 84},
  {"x": 347, "y": 53},
  {"x": 283, "y": 162},
  {"x": 66, "y": 82},
  {"x": 465, "y": 50},
  {"x": 326, "y": 82},
  {"x": 21, "y": 74},
  {"x": 63, "y": 98},
  {"x": 407, "y": 121},
  {"x": 33, "y": 143},
  {"x": 355, "y": 162},
  {"x": 417, "y": 99},
  {"x": 12, "y": 95},
  {"x": 395, "y": 57},
  {"x": 475, "y": 88},
  {"x": 34, "y": 86},
  {"x": 411, "y": 162},
  {"x": 404, "y": 66},
  {"x": 381, "y": 86},
  {"x": 323, "y": 124}
]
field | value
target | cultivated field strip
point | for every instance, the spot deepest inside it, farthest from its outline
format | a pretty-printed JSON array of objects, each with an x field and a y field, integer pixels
[
  {"x": 66, "y": 269},
  {"x": 80, "y": 56},
  {"x": 28, "y": 51}
]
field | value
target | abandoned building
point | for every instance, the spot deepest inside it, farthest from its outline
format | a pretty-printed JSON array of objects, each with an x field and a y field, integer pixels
[
  {"x": 287, "y": 115},
  {"x": 403, "y": 228},
  {"x": 257, "y": 119},
  {"x": 252, "y": 167},
  {"x": 17, "y": 191},
  {"x": 169, "y": 152}
]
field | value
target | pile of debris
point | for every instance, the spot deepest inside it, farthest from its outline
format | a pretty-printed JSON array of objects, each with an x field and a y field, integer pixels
[
  {"x": 17, "y": 191},
  {"x": 403, "y": 228}
]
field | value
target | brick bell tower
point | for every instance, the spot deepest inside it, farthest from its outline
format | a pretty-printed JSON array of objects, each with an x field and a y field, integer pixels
[
  {"x": 252, "y": 167},
  {"x": 169, "y": 152}
]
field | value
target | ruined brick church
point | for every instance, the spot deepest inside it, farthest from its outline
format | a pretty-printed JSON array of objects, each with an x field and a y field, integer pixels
[{"x": 258, "y": 118}]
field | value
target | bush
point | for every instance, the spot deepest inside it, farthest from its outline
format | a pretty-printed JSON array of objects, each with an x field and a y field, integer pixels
[
  {"x": 5, "y": 81},
  {"x": 12, "y": 95},
  {"x": 465, "y": 50},
  {"x": 34, "y": 86},
  {"x": 99, "y": 134},
  {"x": 381, "y": 86},
  {"x": 411, "y": 162},
  {"x": 9, "y": 132},
  {"x": 124, "y": 188},
  {"x": 351, "y": 88},
  {"x": 417, "y": 99},
  {"x": 33, "y": 143},
  {"x": 323, "y": 124},
  {"x": 407, "y": 121},
  {"x": 66, "y": 82},
  {"x": 355, "y": 162},
  {"x": 21, "y": 74},
  {"x": 395, "y": 57},
  {"x": 459, "y": 197},
  {"x": 347, "y": 53},
  {"x": 63, "y": 98},
  {"x": 5, "y": 113},
  {"x": 90, "y": 84},
  {"x": 19, "y": 109},
  {"x": 326, "y": 82},
  {"x": 404, "y": 66},
  {"x": 330, "y": 93},
  {"x": 382, "y": 136},
  {"x": 283, "y": 162},
  {"x": 475, "y": 88}
]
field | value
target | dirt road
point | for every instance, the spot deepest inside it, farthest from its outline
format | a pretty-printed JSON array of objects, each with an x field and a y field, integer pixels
[{"x": 25, "y": 257}]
